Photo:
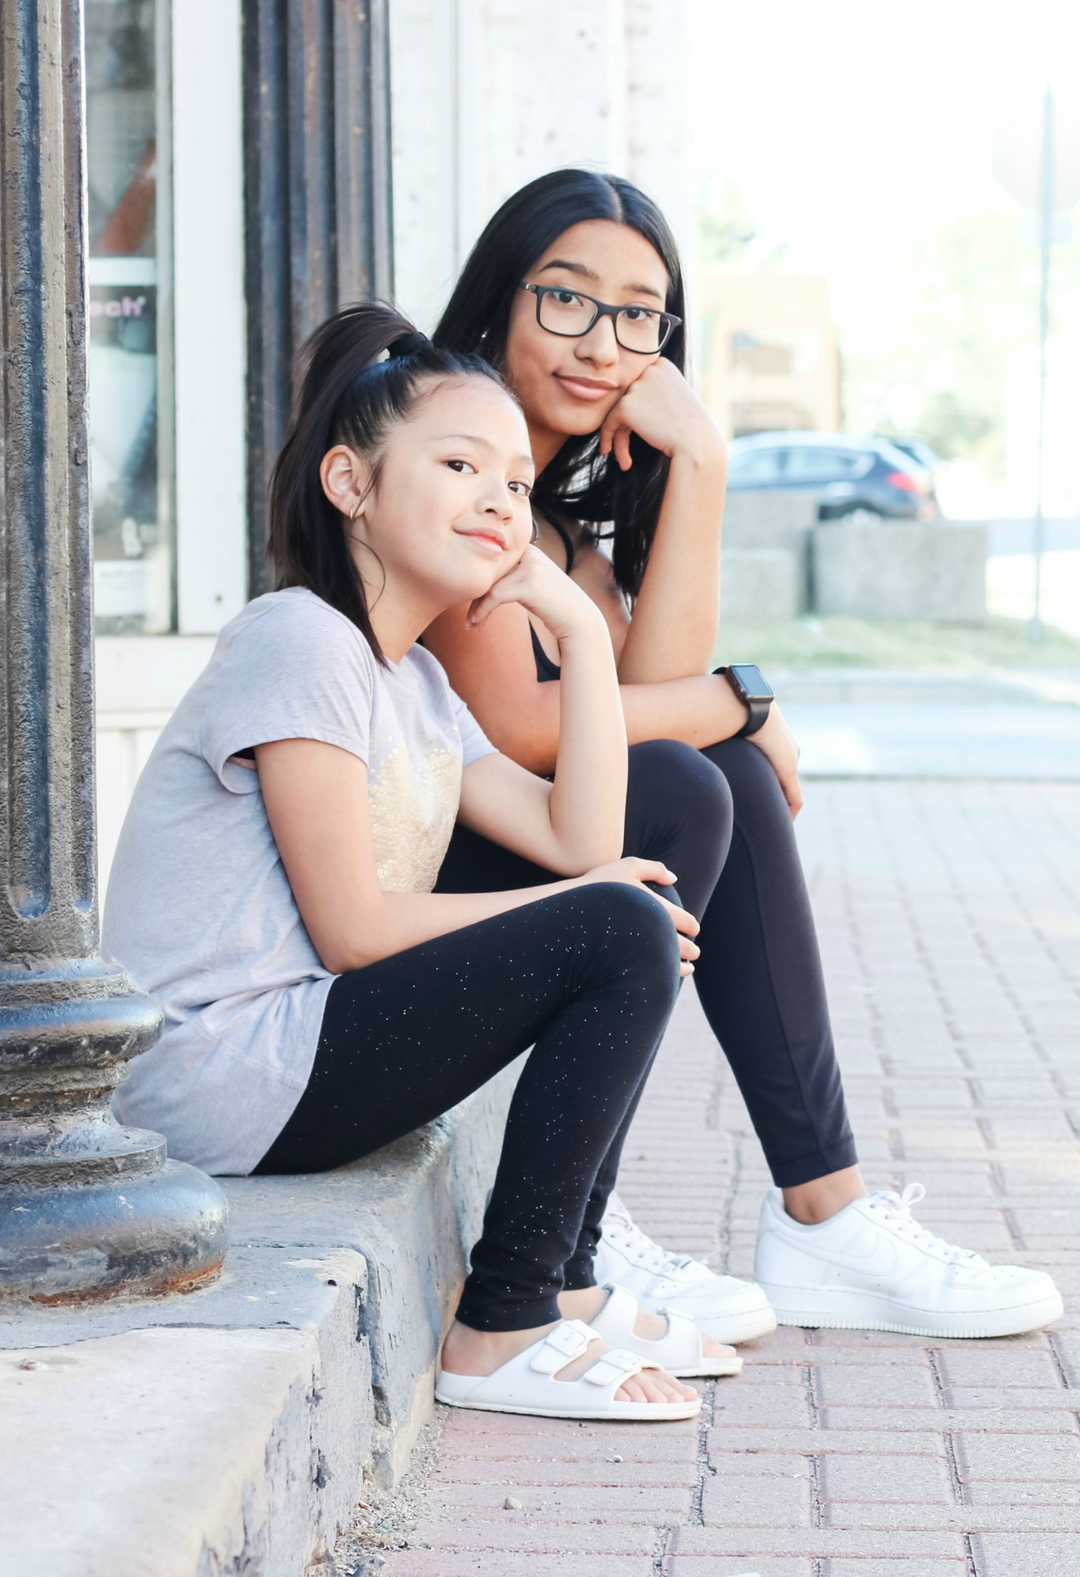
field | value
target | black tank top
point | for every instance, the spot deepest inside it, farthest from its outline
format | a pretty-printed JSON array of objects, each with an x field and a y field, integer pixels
[{"x": 546, "y": 668}]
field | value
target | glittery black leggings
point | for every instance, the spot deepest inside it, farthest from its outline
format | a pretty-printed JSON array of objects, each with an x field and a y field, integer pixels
[
  {"x": 588, "y": 979},
  {"x": 719, "y": 820}
]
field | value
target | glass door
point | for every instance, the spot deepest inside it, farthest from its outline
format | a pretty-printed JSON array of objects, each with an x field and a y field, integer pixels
[{"x": 127, "y": 109}]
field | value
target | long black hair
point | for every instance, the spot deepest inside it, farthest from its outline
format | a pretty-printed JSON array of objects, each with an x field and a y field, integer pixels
[
  {"x": 346, "y": 394},
  {"x": 580, "y": 480}
]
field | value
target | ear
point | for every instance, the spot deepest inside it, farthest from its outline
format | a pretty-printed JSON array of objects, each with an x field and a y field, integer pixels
[{"x": 346, "y": 480}]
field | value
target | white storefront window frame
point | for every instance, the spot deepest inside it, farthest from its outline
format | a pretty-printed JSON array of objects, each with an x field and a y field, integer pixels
[
  {"x": 141, "y": 678},
  {"x": 208, "y": 313}
]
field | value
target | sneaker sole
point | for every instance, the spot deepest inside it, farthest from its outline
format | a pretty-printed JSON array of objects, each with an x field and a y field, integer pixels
[
  {"x": 711, "y": 1369},
  {"x": 734, "y": 1328},
  {"x": 743, "y": 1326},
  {"x": 867, "y": 1312}
]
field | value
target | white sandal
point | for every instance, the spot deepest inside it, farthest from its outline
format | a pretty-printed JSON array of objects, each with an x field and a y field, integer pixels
[
  {"x": 527, "y": 1383},
  {"x": 680, "y": 1350}
]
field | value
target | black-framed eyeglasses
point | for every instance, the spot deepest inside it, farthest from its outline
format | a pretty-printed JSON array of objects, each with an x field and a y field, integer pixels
[{"x": 560, "y": 310}]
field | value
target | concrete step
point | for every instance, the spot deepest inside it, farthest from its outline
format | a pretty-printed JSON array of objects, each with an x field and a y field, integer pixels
[{"x": 229, "y": 1430}]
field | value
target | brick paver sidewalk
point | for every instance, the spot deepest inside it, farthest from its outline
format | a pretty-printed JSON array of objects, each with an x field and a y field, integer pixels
[{"x": 950, "y": 922}]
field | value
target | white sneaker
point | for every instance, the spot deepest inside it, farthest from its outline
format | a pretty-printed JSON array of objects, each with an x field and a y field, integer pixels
[
  {"x": 722, "y": 1307},
  {"x": 873, "y": 1267}
]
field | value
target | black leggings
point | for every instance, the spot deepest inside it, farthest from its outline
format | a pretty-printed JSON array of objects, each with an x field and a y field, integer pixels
[
  {"x": 719, "y": 820},
  {"x": 587, "y": 978}
]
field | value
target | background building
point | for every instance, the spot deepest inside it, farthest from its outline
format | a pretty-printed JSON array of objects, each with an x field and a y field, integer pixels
[{"x": 769, "y": 353}]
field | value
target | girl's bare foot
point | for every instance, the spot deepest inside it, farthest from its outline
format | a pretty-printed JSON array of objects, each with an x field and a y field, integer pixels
[{"x": 467, "y": 1351}]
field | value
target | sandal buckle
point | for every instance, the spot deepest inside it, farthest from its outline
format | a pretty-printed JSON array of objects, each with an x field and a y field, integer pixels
[
  {"x": 615, "y": 1365},
  {"x": 566, "y": 1342}
]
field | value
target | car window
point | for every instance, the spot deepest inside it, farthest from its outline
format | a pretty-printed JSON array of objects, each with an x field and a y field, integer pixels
[
  {"x": 916, "y": 450},
  {"x": 826, "y": 465},
  {"x": 757, "y": 465}
]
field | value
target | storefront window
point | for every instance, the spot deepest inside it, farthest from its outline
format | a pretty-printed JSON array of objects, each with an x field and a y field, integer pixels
[{"x": 130, "y": 385}]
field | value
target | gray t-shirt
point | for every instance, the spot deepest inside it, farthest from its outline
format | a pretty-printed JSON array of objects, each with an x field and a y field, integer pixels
[{"x": 199, "y": 909}]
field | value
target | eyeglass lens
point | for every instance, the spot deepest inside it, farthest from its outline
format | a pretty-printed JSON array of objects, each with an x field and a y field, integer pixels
[{"x": 636, "y": 328}]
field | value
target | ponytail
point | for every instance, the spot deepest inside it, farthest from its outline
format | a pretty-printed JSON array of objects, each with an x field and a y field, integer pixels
[{"x": 358, "y": 375}]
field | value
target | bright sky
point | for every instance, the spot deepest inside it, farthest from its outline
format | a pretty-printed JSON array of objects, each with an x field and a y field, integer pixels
[{"x": 854, "y": 126}]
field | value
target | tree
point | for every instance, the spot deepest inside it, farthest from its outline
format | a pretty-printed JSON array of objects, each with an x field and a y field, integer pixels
[{"x": 977, "y": 285}]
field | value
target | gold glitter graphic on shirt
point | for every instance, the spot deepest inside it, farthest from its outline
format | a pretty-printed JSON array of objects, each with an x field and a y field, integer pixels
[{"x": 414, "y": 803}]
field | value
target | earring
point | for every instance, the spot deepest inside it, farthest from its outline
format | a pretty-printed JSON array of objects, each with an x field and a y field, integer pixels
[
  {"x": 536, "y": 531},
  {"x": 356, "y": 506}
]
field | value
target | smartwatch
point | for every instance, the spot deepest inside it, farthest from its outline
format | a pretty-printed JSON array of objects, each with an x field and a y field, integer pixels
[{"x": 751, "y": 687}]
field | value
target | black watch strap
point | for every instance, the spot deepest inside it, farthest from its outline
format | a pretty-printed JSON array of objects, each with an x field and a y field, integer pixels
[
  {"x": 757, "y": 706},
  {"x": 759, "y": 711}
]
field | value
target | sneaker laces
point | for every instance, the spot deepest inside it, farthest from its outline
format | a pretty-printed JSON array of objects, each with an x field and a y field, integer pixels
[
  {"x": 624, "y": 1232},
  {"x": 897, "y": 1210}
]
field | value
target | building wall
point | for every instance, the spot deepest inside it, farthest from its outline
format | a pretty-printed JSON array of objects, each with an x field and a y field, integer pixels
[
  {"x": 489, "y": 94},
  {"x": 140, "y": 678},
  {"x": 769, "y": 352}
]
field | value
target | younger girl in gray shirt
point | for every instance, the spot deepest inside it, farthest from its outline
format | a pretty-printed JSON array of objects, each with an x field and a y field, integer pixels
[{"x": 273, "y": 885}]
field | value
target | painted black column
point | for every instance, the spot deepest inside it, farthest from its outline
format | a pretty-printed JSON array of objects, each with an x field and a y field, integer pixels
[
  {"x": 87, "y": 1209},
  {"x": 316, "y": 198}
]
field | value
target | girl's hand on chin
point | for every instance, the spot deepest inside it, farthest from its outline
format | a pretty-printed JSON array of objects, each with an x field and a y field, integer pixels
[
  {"x": 544, "y": 589},
  {"x": 662, "y": 408}
]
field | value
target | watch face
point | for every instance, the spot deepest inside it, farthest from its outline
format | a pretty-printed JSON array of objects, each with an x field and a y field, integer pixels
[{"x": 752, "y": 682}]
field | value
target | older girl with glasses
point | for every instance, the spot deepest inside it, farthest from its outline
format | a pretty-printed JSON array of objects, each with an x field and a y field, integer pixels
[{"x": 574, "y": 291}]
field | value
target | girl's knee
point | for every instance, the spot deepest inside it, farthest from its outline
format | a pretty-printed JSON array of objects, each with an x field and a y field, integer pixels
[
  {"x": 632, "y": 918},
  {"x": 752, "y": 781},
  {"x": 683, "y": 781}
]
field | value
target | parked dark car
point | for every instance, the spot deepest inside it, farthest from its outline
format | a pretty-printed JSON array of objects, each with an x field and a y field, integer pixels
[
  {"x": 918, "y": 448},
  {"x": 844, "y": 472}
]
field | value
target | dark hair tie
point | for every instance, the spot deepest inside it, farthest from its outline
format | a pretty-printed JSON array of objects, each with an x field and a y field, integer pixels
[{"x": 408, "y": 345}]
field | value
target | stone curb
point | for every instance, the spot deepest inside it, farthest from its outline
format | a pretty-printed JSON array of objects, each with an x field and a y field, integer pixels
[{"x": 228, "y": 1431}]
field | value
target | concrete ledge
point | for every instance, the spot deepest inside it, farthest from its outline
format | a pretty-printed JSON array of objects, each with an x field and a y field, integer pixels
[
  {"x": 933, "y": 571},
  {"x": 763, "y": 583},
  {"x": 765, "y": 567},
  {"x": 228, "y": 1431},
  {"x": 413, "y": 1210},
  {"x": 228, "y": 1437}
]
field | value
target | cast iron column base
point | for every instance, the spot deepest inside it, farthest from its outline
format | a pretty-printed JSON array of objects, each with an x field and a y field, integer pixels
[{"x": 88, "y": 1209}]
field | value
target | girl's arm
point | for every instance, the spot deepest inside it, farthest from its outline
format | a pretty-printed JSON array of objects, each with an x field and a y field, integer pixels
[
  {"x": 673, "y": 629},
  {"x": 493, "y": 669},
  {"x": 316, "y": 797},
  {"x": 577, "y": 821}
]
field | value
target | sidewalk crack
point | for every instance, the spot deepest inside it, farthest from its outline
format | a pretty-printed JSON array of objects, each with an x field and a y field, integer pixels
[
  {"x": 959, "y": 1488},
  {"x": 817, "y": 1493},
  {"x": 731, "y": 1194},
  {"x": 704, "y": 1470},
  {"x": 948, "y": 1439},
  {"x": 1015, "y": 1232},
  {"x": 1066, "y": 1373},
  {"x": 986, "y": 1128},
  {"x": 665, "y": 1539},
  {"x": 969, "y": 1552},
  {"x": 813, "y": 1405}
]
